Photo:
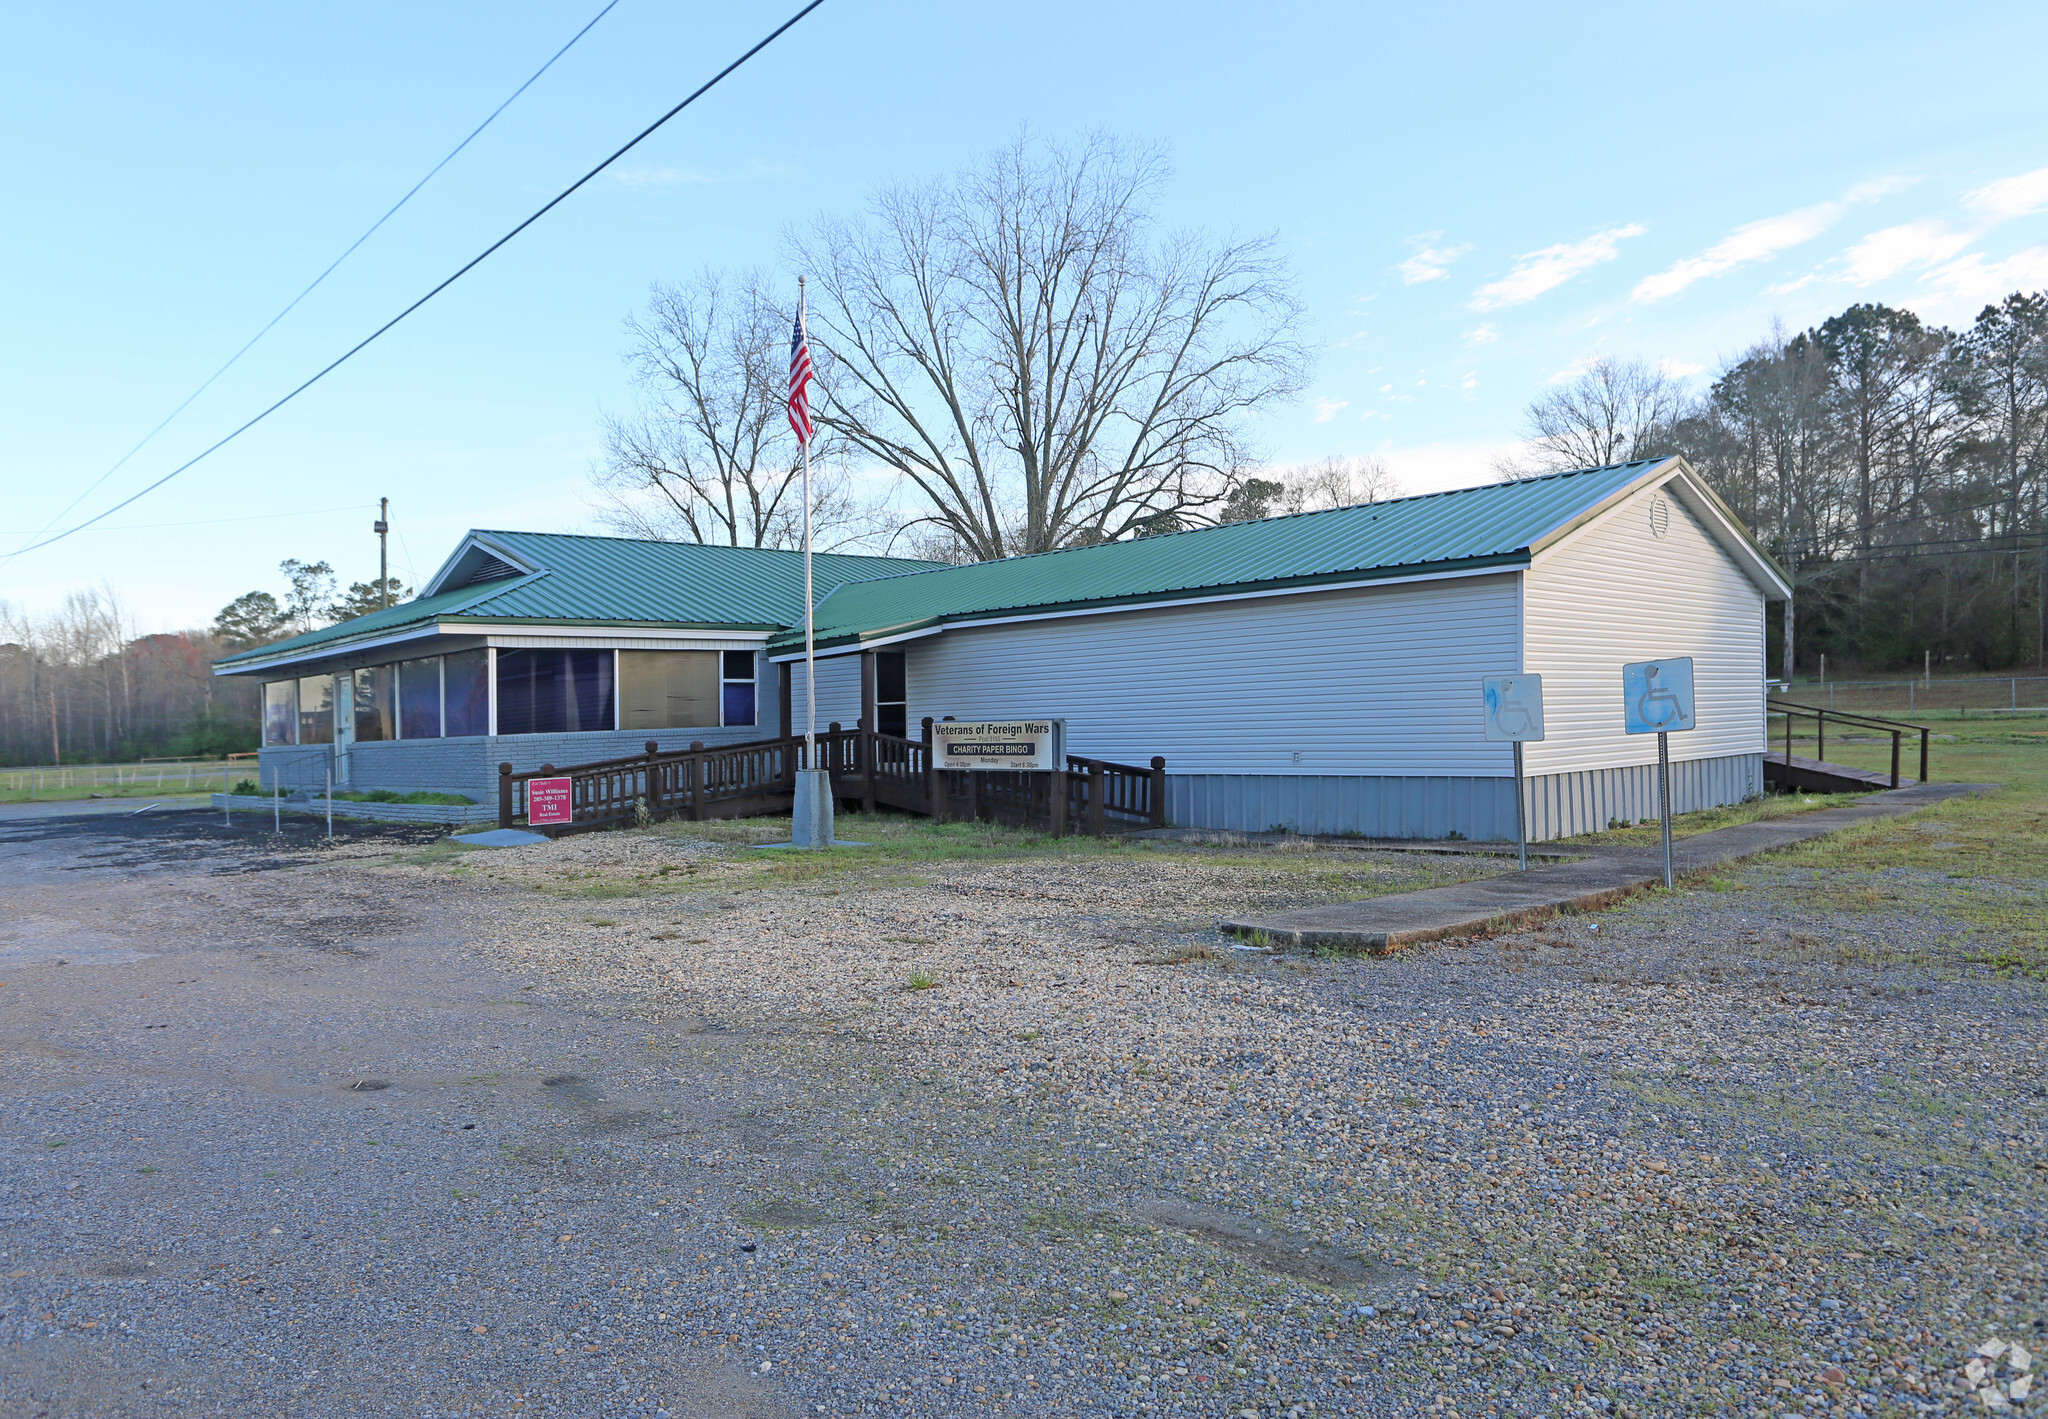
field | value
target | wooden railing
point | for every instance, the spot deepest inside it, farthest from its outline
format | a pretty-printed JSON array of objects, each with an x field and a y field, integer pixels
[
  {"x": 1822, "y": 717},
  {"x": 877, "y": 770},
  {"x": 730, "y": 781}
]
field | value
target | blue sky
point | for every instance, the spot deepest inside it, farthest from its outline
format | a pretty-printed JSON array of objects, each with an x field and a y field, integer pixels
[{"x": 1477, "y": 199}]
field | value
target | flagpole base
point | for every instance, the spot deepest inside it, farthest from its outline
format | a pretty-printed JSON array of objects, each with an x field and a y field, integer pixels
[{"x": 810, "y": 819}]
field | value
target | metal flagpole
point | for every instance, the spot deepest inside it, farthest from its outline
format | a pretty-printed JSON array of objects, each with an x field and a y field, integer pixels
[{"x": 810, "y": 603}]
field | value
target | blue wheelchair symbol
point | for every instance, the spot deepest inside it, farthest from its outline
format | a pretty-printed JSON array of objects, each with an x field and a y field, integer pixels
[{"x": 1657, "y": 695}]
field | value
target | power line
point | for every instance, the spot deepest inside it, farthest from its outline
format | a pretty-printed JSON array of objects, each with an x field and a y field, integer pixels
[
  {"x": 216, "y": 521},
  {"x": 294, "y": 301},
  {"x": 464, "y": 270}
]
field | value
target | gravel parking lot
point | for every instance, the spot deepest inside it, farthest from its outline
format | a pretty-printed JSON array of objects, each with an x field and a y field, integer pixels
[{"x": 632, "y": 1124}]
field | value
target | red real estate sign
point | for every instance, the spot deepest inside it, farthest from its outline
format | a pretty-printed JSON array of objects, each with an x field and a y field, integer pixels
[{"x": 548, "y": 801}]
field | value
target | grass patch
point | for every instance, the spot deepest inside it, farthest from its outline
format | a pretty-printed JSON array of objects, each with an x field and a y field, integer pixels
[
  {"x": 1982, "y": 859},
  {"x": 921, "y": 980},
  {"x": 1647, "y": 833}
]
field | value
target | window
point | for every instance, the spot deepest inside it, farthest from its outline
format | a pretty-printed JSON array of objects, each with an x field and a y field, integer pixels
[
  {"x": 281, "y": 712},
  {"x": 466, "y": 682},
  {"x": 554, "y": 691},
  {"x": 316, "y": 709},
  {"x": 736, "y": 693},
  {"x": 664, "y": 689},
  {"x": 373, "y": 705},
  {"x": 419, "y": 698},
  {"x": 892, "y": 712}
]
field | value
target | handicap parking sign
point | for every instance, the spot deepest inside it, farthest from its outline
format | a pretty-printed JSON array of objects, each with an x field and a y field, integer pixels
[
  {"x": 1514, "y": 707},
  {"x": 1656, "y": 695}
]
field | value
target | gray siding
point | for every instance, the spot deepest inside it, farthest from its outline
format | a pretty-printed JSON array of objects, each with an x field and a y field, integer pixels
[
  {"x": 1483, "y": 809},
  {"x": 838, "y": 692},
  {"x": 1586, "y": 800},
  {"x": 1376, "y": 682}
]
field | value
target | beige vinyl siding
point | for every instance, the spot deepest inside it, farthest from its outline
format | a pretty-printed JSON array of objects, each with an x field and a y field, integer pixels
[
  {"x": 1617, "y": 593},
  {"x": 668, "y": 689},
  {"x": 1380, "y": 680}
]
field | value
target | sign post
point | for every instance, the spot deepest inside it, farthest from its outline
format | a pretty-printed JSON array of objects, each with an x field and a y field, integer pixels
[
  {"x": 1514, "y": 714},
  {"x": 1656, "y": 698}
]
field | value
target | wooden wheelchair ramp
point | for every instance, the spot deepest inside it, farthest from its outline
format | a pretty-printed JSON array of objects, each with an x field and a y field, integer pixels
[{"x": 868, "y": 769}]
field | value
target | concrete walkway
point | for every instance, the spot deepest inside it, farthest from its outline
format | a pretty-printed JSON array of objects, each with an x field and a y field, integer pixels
[{"x": 1382, "y": 924}]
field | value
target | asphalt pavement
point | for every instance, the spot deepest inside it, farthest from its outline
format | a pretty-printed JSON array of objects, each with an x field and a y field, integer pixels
[{"x": 273, "y": 1145}]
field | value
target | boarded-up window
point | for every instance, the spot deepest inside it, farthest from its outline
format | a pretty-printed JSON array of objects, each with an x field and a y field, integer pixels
[{"x": 668, "y": 689}]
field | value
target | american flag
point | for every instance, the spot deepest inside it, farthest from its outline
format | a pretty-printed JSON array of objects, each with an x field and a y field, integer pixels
[{"x": 799, "y": 382}]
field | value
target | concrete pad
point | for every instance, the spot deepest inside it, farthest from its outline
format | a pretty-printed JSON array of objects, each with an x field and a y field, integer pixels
[
  {"x": 500, "y": 837},
  {"x": 1383, "y": 924}
]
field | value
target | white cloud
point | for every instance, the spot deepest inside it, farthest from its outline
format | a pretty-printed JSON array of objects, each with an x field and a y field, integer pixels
[
  {"x": 1922, "y": 244},
  {"x": 1429, "y": 263},
  {"x": 2011, "y": 197},
  {"x": 1971, "y": 283},
  {"x": 1326, "y": 409},
  {"x": 1888, "y": 252},
  {"x": 1438, "y": 467},
  {"x": 1471, "y": 380},
  {"x": 1482, "y": 335},
  {"x": 1755, "y": 241},
  {"x": 1538, "y": 271},
  {"x": 1679, "y": 369}
]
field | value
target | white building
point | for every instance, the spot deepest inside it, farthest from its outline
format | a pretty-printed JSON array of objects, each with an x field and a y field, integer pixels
[{"x": 1319, "y": 671}]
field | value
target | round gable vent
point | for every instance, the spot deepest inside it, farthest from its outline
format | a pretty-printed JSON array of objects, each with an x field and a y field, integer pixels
[{"x": 1660, "y": 516}]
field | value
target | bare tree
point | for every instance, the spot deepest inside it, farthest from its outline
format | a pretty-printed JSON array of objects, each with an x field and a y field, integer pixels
[
  {"x": 1311, "y": 487},
  {"x": 1046, "y": 369},
  {"x": 709, "y": 456},
  {"x": 1610, "y": 412}
]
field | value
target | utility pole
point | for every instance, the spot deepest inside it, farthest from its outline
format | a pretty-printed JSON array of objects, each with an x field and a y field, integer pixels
[{"x": 382, "y": 527}]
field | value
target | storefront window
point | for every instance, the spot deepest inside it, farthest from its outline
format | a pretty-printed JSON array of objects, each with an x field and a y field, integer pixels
[
  {"x": 554, "y": 691},
  {"x": 281, "y": 712},
  {"x": 419, "y": 698},
  {"x": 373, "y": 705},
  {"x": 466, "y": 693},
  {"x": 316, "y": 709}
]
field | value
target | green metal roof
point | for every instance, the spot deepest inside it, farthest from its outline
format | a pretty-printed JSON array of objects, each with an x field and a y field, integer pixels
[
  {"x": 609, "y": 581},
  {"x": 612, "y": 581},
  {"x": 1469, "y": 529}
]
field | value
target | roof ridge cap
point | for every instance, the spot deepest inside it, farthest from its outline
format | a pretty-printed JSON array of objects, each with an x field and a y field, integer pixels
[{"x": 708, "y": 546}]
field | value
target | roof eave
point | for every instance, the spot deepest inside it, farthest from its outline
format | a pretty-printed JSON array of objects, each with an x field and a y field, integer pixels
[{"x": 243, "y": 664}]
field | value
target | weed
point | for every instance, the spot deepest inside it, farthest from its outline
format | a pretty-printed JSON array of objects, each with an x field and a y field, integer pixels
[
  {"x": 1182, "y": 956},
  {"x": 920, "y": 980}
]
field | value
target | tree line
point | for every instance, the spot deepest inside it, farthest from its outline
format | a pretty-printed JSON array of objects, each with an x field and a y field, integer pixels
[
  {"x": 1897, "y": 471},
  {"x": 79, "y": 685},
  {"x": 1018, "y": 357}
]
